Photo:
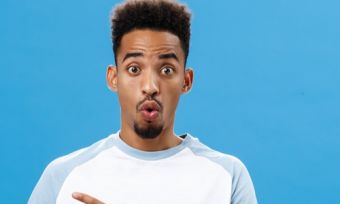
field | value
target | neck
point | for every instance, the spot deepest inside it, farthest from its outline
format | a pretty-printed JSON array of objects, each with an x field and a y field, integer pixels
[{"x": 165, "y": 140}]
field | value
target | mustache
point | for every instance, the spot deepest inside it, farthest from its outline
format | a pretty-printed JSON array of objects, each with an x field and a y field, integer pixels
[{"x": 149, "y": 98}]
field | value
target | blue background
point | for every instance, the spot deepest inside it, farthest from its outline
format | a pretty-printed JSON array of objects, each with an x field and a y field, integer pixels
[{"x": 266, "y": 89}]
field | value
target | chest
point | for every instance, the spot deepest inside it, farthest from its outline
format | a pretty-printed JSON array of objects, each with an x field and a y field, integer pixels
[{"x": 128, "y": 181}]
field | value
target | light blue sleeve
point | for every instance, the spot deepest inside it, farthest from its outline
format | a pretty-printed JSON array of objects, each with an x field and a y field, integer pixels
[
  {"x": 47, "y": 189},
  {"x": 243, "y": 191}
]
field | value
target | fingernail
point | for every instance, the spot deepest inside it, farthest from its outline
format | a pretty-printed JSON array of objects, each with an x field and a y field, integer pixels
[{"x": 75, "y": 195}]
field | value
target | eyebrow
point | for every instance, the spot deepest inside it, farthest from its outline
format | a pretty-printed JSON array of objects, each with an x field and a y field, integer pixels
[
  {"x": 161, "y": 56},
  {"x": 133, "y": 54},
  {"x": 168, "y": 56}
]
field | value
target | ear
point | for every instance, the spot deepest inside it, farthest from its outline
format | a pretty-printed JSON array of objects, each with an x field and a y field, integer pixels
[
  {"x": 188, "y": 80},
  {"x": 111, "y": 77}
]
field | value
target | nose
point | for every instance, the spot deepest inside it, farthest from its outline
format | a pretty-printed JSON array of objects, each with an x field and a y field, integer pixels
[{"x": 150, "y": 85}]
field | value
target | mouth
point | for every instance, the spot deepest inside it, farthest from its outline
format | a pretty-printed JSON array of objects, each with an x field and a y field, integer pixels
[{"x": 150, "y": 110}]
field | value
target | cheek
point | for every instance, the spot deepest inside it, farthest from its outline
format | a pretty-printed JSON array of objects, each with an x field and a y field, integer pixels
[
  {"x": 127, "y": 92},
  {"x": 172, "y": 95}
]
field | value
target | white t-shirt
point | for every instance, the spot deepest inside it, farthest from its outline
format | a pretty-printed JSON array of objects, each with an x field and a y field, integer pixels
[{"x": 116, "y": 173}]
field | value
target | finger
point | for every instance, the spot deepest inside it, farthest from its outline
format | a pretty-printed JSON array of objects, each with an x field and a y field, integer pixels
[{"x": 82, "y": 197}]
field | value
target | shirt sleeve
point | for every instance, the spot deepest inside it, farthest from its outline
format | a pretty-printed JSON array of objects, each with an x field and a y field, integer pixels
[
  {"x": 243, "y": 191},
  {"x": 46, "y": 189},
  {"x": 43, "y": 192}
]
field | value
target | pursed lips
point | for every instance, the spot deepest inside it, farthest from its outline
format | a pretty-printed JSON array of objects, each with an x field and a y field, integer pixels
[
  {"x": 150, "y": 106},
  {"x": 150, "y": 110}
]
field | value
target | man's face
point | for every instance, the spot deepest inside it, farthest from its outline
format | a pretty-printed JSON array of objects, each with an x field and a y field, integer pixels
[{"x": 149, "y": 79}]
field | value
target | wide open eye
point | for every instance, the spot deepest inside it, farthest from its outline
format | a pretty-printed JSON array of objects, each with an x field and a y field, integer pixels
[
  {"x": 167, "y": 71},
  {"x": 133, "y": 70}
]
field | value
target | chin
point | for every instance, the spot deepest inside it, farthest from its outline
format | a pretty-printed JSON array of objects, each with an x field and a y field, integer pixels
[{"x": 148, "y": 131}]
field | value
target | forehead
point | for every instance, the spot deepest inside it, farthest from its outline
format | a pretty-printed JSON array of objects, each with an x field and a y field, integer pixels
[{"x": 150, "y": 42}]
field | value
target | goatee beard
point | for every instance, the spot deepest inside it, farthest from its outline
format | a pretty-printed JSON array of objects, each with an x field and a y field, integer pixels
[{"x": 149, "y": 132}]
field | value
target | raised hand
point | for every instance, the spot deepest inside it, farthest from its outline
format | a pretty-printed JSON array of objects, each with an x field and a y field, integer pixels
[{"x": 82, "y": 197}]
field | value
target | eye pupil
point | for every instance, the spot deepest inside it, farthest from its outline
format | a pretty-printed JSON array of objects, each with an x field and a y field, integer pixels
[
  {"x": 167, "y": 71},
  {"x": 133, "y": 69}
]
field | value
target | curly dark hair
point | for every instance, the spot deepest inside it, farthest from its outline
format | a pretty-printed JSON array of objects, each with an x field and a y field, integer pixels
[{"x": 160, "y": 15}]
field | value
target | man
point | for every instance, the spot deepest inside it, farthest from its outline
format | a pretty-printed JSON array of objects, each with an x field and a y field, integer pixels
[{"x": 145, "y": 162}]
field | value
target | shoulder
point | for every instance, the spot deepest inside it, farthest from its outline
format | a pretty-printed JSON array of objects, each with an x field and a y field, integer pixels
[
  {"x": 80, "y": 156},
  {"x": 230, "y": 163},
  {"x": 242, "y": 186},
  {"x": 57, "y": 171}
]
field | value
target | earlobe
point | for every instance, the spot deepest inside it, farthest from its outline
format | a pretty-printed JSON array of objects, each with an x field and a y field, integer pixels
[{"x": 111, "y": 77}]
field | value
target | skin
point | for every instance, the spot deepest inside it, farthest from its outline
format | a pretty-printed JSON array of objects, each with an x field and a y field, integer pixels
[
  {"x": 150, "y": 64},
  {"x": 163, "y": 78},
  {"x": 82, "y": 197}
]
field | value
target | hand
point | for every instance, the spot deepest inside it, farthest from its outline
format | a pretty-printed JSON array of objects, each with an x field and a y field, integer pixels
[{"x": 82, "y": 197}]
